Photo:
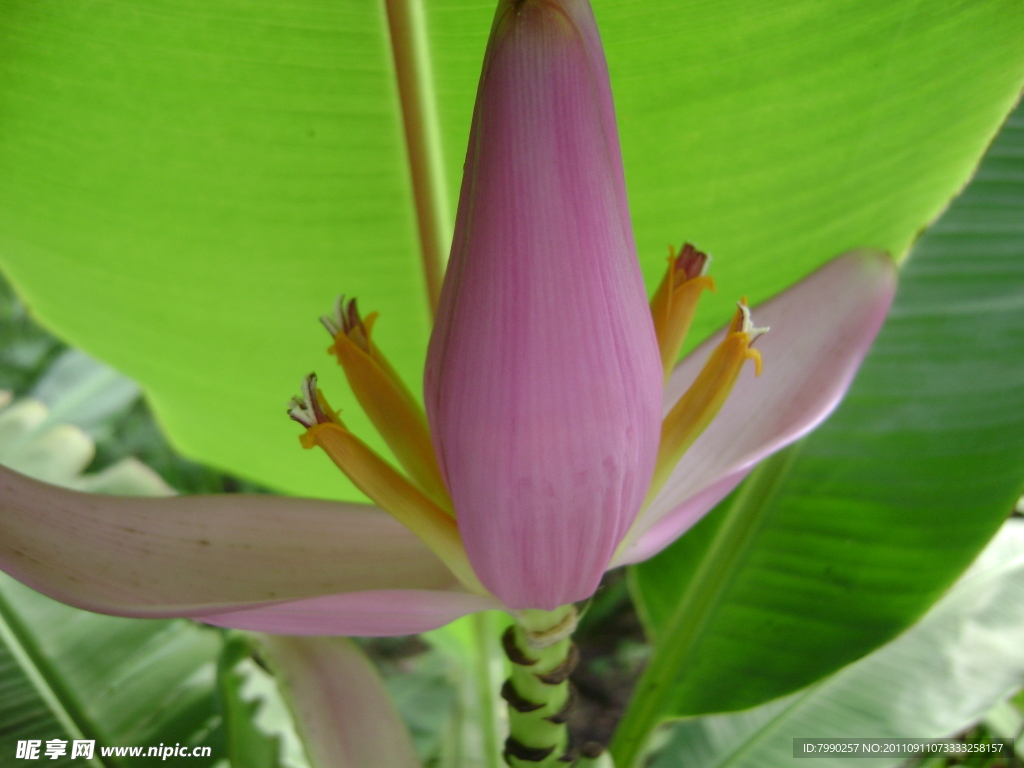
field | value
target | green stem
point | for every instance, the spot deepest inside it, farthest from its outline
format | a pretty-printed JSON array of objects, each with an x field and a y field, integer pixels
[
  {"x": 648, "y": 706},
  {"x": 415, "y": 84},
  {"x": 538, "y": 694},
  {"x": 487, "y": 668},
  {"x": 594, "y": 756}
]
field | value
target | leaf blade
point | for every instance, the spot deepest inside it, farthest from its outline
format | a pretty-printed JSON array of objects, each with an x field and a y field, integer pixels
[
  {"x": 936, "y": 679},
  {"x": 216, "y": 164},
  {"x": 891, "y": 497}
]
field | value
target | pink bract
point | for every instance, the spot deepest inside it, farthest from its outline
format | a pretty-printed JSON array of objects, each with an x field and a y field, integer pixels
[{"x": 543, "y": 381}]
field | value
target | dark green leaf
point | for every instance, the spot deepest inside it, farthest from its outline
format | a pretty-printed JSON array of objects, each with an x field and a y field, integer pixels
[
  {"x": 836, "y": 546},
  {"x": 937, "y": 678}
]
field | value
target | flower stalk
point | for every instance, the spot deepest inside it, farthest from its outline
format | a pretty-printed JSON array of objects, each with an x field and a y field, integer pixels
[
  {"x": 538, "y": 691},
  {"x": 594, "y": 755}
]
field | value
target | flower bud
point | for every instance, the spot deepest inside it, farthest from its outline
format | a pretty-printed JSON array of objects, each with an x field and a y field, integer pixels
[{"x": 544, "y": 380}]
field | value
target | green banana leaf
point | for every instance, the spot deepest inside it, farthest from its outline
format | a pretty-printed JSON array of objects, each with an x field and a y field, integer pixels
[
  {"x": 939, "y": 677},
  {"x": 834, "y": 546},
  {"x": 68, "y": 674},
  {"x": 185, "y": 185}
]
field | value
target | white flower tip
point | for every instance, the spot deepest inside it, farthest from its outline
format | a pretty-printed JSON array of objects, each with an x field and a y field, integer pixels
[
  {"x": 305, "y": 408},
  {"x": 335, "y": 321},
  {"x": 748, "y": 324},
  {"x": 328, "y": 322}
]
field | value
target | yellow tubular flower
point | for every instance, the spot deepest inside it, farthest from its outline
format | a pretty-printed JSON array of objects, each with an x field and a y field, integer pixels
[
  {"x": 675, "y": 302},
  {"x": 381, "y": 482},
  {"x": 388, "y": 403},
  {"x": 702, "y": 401}
]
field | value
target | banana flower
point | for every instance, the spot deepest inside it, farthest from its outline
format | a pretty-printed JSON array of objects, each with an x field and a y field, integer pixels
[{"x": 559, "y": 438}]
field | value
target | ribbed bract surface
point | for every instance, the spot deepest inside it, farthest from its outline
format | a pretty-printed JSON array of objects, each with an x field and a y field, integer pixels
[{"x": 543, "y": 384}]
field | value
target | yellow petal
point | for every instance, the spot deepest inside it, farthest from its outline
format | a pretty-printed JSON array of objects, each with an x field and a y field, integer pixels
[
  {"x": 704, "y": 399},
  {"x": 381, "y": 482},
  {"x": 392, "y": 409},
  {"x": 386, "y": 487},
  {"x": 675, "y": 302}
]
